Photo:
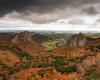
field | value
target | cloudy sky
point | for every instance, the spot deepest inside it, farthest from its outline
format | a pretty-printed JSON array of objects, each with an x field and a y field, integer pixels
[{"x": 74, "y": 15}]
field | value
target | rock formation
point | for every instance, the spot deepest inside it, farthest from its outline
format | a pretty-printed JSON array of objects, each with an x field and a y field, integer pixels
[
  {"x": 26, "y": 43},
  {"x": 77, "y": 40}
]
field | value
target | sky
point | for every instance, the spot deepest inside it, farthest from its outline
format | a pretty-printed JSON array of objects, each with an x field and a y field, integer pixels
[{"x": 66, "y": 15}]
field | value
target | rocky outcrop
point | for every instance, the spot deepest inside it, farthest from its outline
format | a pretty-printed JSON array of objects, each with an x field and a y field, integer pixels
[
  {"x": 26, "y": 43},
  {"x": 77, "y": 40},
  {"x": 22, "y": 37},
  {"x": 90, "y": 63}
]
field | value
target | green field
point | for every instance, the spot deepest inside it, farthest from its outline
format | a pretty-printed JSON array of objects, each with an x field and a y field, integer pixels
[{"x": 93, "y": 35}]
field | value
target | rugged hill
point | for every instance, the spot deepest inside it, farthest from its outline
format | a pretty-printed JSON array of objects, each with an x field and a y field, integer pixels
[
  {"x": 32, "y": 44},
  {"x": 23, "y": 57},
  {"x": 5, "y": 39},
  {"x": 93, "y": 42},
  {"x": 75, "y": 46},
  {"x": 27, "y": 43},
  {"x": 77, "y": 40}
]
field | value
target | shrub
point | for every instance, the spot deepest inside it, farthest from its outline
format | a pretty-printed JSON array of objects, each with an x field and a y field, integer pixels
[
  {"x": 98, "y": 47},
  {"x": 44, "y": 65},
  {"x": 21, "y": 54},
  {"x": 41, "y": 73},
  {"x": 13, "y": 70},
  {"x": 4, "y": 65},
  {"x": 71, "y": 69},
  {"x": 5, "y": 77}
]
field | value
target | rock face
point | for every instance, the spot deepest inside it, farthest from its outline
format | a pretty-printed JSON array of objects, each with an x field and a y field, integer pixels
[
  {"x": 23, "y": 36},
  {"x": 75, "y": 46},
  {"x": 26, "y": 43},
  {"x": 90, "y": 63},
  {"x": 78, "y": 40}
]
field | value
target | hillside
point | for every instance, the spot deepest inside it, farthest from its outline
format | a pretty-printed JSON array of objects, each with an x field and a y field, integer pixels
[{"x": 37, "y": 56}]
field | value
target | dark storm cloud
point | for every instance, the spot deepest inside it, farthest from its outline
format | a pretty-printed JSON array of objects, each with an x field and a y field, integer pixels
[
  {"x": 27, "y": 8},
  {"x": 40, "y": 5},
  {"x": 31, "y": 5},
  {"x": 90, "y": 11}
]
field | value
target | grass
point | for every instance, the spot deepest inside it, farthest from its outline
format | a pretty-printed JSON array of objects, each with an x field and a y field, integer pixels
[
  {"x": 93, "y": 35},
  {"x": 91, "y": 76},
  {"x": 51, "y": 44}
]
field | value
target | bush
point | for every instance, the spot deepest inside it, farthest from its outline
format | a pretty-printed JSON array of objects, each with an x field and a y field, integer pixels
[
  {"x": 61, "y": 69},
  {"x": 44, "y": 65},
  {"x": 41, "y": 73},
  {"x": 71, "y": 69},
  {"x": 98, "y": 47},
  {"x": 4, "y": 65},
  {"x": 5, "y": 77},
  {"x": 21, "y": 54},
  {"x": 13, "y": 70}
]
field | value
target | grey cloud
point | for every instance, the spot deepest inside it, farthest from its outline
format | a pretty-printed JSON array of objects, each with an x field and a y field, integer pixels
[
  {"x": 35, "y": 18},
  {"x": 41, "y": 5},
  {"x": 90, "y": 11},
  {"x": 76, "y": 21},
  {"x": 97, "y": 20},
  {"x": 42, "y": 11}
]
